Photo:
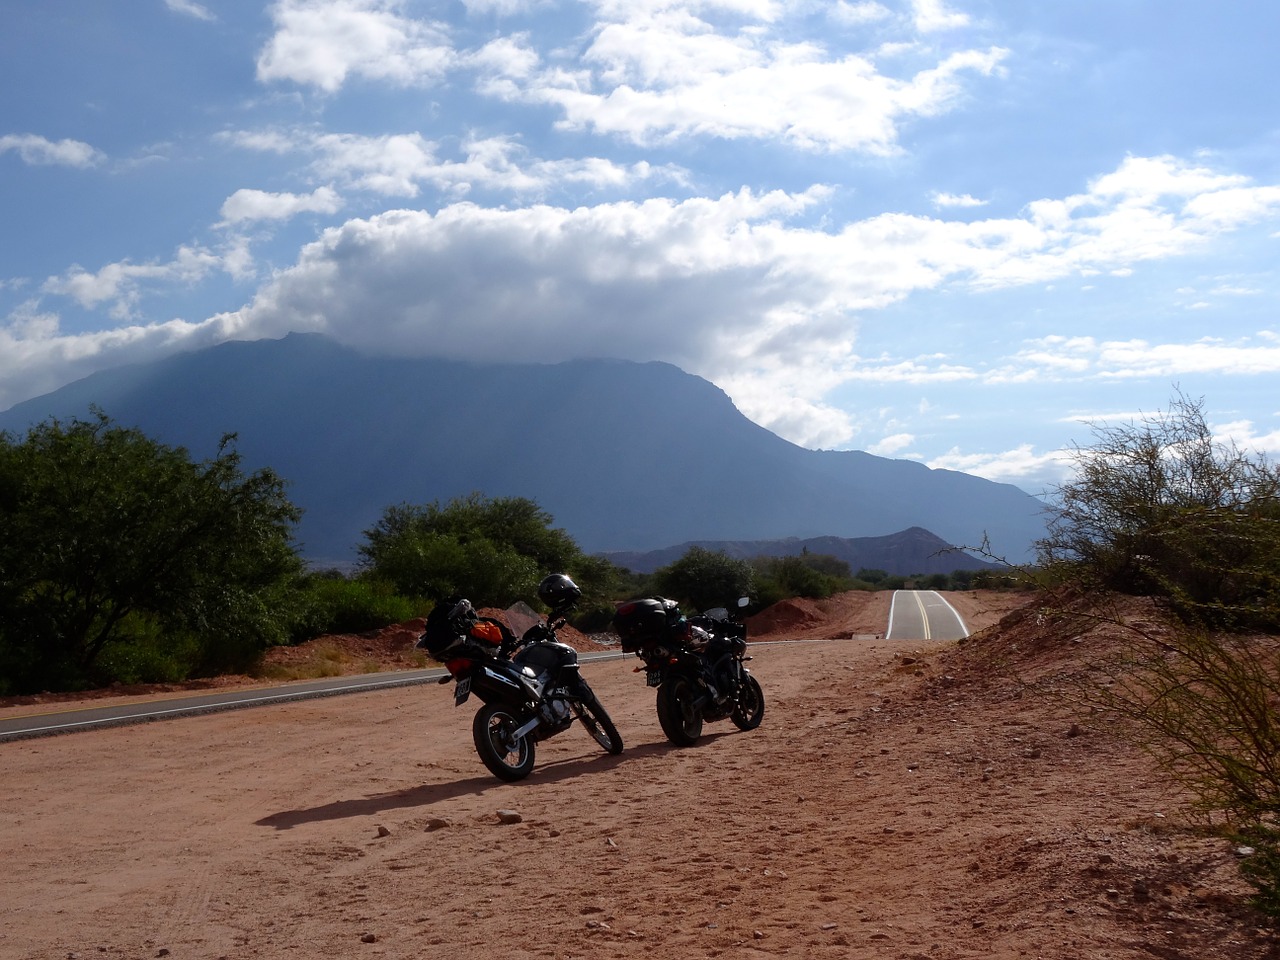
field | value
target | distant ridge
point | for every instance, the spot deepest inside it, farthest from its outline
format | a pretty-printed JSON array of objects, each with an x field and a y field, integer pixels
[
  {"x": 624, "y": 456},
  {"x": 913, "y": 551}
]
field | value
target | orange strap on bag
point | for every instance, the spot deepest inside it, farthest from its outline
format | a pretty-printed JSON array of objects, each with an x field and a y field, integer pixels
[{"x": 489, "y": 632}]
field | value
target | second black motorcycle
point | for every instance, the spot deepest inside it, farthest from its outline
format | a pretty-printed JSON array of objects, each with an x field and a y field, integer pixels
[
  {"x": 697, "y": 664},
  {"x": 531, "y": 688}
]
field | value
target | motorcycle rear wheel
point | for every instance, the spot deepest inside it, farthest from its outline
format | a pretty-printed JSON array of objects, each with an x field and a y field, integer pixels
[
  {"x": 681, "y": 720},
  {"x": 598, "y": 723},
  {"x": 491, "y": 731},
  {"x": 749, "y": 710}
]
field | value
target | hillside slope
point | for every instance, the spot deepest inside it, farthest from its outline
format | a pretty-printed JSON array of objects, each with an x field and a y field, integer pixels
[
  {"x": 914, "y": 551},
  {"x": 625, "y": 456}
]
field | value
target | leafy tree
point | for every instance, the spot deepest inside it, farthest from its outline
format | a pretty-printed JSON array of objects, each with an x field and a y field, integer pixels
[
  {"x": 111, "y": 542},
  {"x": 805, "y": 575},
  {"x": 493, "y": 551},
  {"x": 705, "y": 578},
  {"x": 602, "y": 583},
  {"x": 827, "y": 565}
]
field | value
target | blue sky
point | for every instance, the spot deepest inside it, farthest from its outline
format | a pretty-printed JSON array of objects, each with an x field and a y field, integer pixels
[{"x": 955, "y": 231}]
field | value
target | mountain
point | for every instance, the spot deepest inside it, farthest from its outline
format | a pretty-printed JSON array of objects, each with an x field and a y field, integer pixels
[
  {"x": 625, "y": 456},
  {"x": 914, "y": 551}
]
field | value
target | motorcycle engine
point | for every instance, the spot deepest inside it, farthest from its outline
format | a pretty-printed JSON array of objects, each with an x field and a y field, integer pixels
[{"x": 556, "y": 713}]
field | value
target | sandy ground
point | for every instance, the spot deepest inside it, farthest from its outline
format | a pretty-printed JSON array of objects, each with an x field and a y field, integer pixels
[{"x": 900, "y": 800}]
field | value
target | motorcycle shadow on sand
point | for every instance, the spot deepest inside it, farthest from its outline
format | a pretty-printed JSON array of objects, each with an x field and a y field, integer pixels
[{"x": 427, "y": 794}]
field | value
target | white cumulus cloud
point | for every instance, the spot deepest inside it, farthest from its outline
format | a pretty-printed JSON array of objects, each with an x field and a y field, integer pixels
[
  {"x": 322, "y": 43},
  {"x": 250, "y": 205},
  {"x": 37, "y": 150},
  {"x": 662, "y": 75}
]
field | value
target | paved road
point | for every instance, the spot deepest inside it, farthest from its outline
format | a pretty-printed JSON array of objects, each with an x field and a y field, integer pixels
[
  {"x": 41, "y": 723},
  {"x": 87, "y": 718},
  {"x": 923, "y": 615}
]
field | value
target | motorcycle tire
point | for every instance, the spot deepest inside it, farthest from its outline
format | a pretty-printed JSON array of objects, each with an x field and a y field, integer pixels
[
  {"x": 599, "y": 724},
  {"x": 749, "y": 710},
  {"x": 490, "y": 730},
  {"x": 681, "y": 720}
]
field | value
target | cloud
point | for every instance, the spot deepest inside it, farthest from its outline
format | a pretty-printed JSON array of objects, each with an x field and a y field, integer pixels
[
  {"x": 1149, "y": 208},
  {"x": 501, "y": 8},
  {"x": 250, "y": 205},
  {"x": 321, "y": 43},
  {"x": 858, "y": 14},
  {"x": 932, "y": 16},
  {"x": 919, "y": 370},
  {"x": 649, "y": 73},
  {"x": 120, "y": 284},
  {"x": 736, "y": 288},
  {"x": 390, "y": 165},
  {"x": 630, "y": 279},
  {"x": 38, "y": 151},
  {"x": 888, "y": 446},
  {"x": 945, "y": 201},
  {"x": 1065, "y": 357},
  {"x": 190, "y": 8},
  {"x": 37, "y": 357},
  {"x": 652, "y": 76},
  {"x": 1021, "y": 466},
  {"x": 400, "y": 165},
  {"x": 1243, "y": 434}
]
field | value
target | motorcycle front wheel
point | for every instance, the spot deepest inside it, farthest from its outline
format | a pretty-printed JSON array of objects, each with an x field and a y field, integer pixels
[
  {"x": 681, "y": 720},
  {"x": 598, "y": 723},
  {"x": 491, "y": 731},
  {"x": 749, "y": 710}
]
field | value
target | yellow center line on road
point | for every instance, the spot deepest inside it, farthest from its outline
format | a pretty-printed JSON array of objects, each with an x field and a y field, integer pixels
[{"x": 924, "y": 617}]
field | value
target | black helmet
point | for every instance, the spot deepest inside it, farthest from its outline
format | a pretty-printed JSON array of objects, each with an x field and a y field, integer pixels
[{"x": 558, "y": 591}]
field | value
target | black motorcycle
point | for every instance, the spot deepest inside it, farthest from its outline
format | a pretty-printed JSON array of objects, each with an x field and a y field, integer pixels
[
  {"x": 696, "y": 663},
  {"x": 531, "y": 687}
]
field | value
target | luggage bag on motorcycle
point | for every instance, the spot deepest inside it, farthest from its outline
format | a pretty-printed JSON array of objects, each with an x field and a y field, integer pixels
[
  {"x": 641, "y": 622},
  {"x": 453, "y": 627}
]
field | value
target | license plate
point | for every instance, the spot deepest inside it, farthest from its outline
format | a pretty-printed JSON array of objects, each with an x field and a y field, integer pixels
[
  {"x": 462, "y": 692},
  {"x": 653, "y": 678}
]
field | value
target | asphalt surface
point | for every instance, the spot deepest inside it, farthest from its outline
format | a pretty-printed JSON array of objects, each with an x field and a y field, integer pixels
[
  {"x": 923, "y": 615},
  {"x": 43, "y": 723}
]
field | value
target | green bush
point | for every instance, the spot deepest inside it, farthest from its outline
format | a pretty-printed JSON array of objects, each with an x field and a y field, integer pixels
[
  {"x": 1162, "y": 507},
  {"x": 329, "y": 604},
  {"x": 147, "y": 653},
  {"x": 807, "y": 575}
]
